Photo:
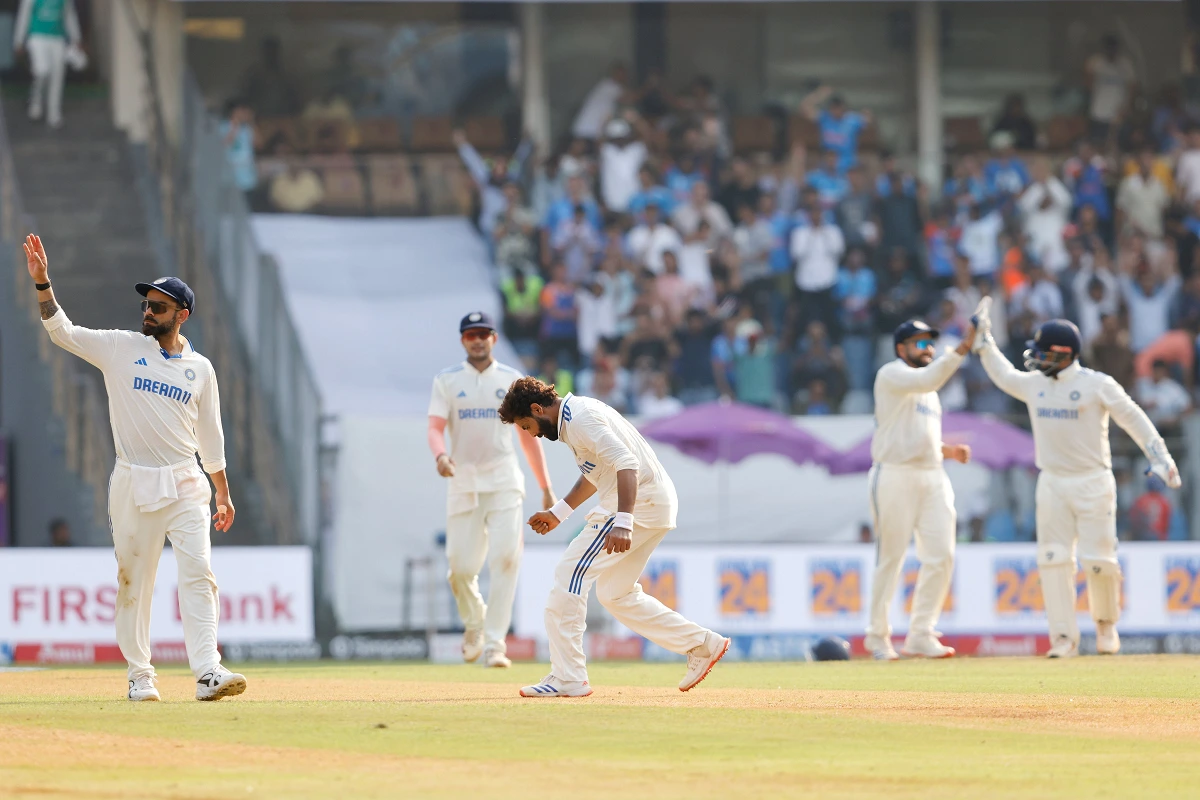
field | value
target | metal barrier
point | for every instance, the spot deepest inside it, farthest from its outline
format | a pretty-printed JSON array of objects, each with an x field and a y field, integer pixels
[
  {"x": 271, "y": 408},
  {"x": 76, "y": 399}
]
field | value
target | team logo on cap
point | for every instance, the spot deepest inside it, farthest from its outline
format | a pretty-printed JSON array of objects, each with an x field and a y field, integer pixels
[
  {"x": 190, "y": 374},
  {"x": 160, "y": 280},
  {"x": 474, "y": 317}
]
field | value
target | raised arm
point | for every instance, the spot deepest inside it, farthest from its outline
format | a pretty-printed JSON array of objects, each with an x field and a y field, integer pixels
[
  {"x": 1008, "y": 378},
  {"x": 911, "y": 380},
  {"x": 471, "y": 158},
  {"x": 1129, "y": 415},
  {"x": 1011, "y": 381},
  {"x": 95, "y": 347}
]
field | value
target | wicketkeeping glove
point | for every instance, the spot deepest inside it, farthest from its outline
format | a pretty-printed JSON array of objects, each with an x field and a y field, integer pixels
[{"x": 982, "y": 321}]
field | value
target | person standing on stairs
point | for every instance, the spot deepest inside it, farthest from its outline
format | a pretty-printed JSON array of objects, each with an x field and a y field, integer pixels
[{"x": 49, "y": 31}]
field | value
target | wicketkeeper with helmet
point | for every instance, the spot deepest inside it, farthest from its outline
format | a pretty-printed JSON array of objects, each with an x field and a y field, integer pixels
[{"x": 1069, "y": 408}]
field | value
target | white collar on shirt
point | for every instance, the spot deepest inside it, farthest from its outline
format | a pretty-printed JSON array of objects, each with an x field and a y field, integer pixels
[{"x": 562, "y": 407}]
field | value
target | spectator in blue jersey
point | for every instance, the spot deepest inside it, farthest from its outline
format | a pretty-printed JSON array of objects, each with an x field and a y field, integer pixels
[
  {"x": 855, "y": 293},
  {"x": 883, "y": 181},
  {"x": 1006, "y": 174},
  {"x": 967, "y": 187},
  {"x": 237, "y": 135},
  {"x": 651, "y": 193},
  {"x": 840, "y": 127},
  {"x": 1085, "y": 175},
  {"x": 563, "y": 210},
  {"x": 941, "y": 242},
  {"x": 559, "y": 336},
  {"x": 682, "y": 176},
  {"x": 781, "y": 224},
  {"x": 828, "y": 181}
]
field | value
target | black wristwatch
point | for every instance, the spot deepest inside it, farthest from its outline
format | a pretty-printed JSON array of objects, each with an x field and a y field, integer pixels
[{"x": 41, "y": 287}]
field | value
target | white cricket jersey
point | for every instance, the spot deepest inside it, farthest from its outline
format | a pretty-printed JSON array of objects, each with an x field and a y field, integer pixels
[
  {"x": 164, "y": 410},
  {"x": 1070, "y": 412},
  {"x": 908, "y": 413},
  {"x": 480, "y": 444},
  {"x": 604, "y": 443}
]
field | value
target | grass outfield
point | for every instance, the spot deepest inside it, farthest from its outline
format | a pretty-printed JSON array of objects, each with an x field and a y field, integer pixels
[{"x": 1088, "y": 727}]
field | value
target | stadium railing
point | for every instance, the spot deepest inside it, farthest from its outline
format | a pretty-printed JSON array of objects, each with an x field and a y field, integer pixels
[
  {"x": 75, "y": 398},
  {"x": 271, "y": 406}
]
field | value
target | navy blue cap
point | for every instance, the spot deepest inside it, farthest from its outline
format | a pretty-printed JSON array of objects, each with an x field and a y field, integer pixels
[
  {"x": 174, "y": 288},
  {"x": 914, "y": 327},
  {"x": 476, "y": 319}
]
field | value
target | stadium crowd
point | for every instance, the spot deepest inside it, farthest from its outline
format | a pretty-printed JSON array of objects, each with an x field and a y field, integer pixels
[{"x": 652, "y": 265}]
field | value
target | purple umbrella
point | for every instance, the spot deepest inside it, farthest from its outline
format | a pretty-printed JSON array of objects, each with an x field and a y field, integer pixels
[
  {"x": 730, "y": 432},
  {"x": 994, "y": 443}
]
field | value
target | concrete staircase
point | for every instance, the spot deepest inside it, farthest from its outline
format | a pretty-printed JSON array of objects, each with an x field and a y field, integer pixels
[{"x": 79, "y": 184}]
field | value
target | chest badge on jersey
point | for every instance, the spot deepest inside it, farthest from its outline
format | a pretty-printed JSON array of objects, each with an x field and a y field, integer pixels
[
  {"x": 1074, "y": 395},
  {"x": 190, "y": 374},
  {"x": 500, "y": 393}
]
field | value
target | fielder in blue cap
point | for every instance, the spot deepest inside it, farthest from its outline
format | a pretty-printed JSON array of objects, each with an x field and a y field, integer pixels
[
  {"x": 165, "y": 411},
  {"x": 910, "y": 493}
]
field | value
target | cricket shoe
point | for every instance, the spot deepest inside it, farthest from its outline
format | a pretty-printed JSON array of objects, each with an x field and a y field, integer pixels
[
  {"x": 926, "y": 647},
  {"x": 1063, "y": 647},
  {"x": 142, "y": 689},
  {"x": 219, "y": 682},
  {"x": 494, "y": 658},
  {"x": 553, "y": 687},
  {"x": 880, "y": 648},
  {"x": 1108, "y": 643},
  {"x": 472, "y": 646},
  {"x": 701, "y": 660}
]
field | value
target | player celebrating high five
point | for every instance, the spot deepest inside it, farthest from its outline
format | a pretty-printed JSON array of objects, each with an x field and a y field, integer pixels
[
  {"x": 486, "y": 487},
  {"x": 910, "y": 493},
  {"x": 1069, "y": 408},
  {"x": 637, "y": 509},
  {"x": 165, "y": 409}
]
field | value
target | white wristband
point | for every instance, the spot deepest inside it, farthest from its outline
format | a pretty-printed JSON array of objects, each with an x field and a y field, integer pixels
[
  {"x": 623, "y": 519},
  {"x": 561, "y": 510}
]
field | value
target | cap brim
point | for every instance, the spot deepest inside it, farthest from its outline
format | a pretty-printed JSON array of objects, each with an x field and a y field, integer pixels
[
  {"x": 144, "y": 290},
  {"x": 477, "y": 326}
]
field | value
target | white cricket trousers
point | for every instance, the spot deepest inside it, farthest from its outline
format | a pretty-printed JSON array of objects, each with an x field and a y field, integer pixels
[
  {"x": 485, "y": 525},
  {"x": 47, "y": 62},
  {"x": 1078, "y": 509},
  {"x": 907, "y": 501},
  {"x": 616, "y": 578},
  {"x": 138, "y": 538}
]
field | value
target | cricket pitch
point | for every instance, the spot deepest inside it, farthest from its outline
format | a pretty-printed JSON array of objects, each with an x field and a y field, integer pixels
[{"x": 1126, "y": 726}]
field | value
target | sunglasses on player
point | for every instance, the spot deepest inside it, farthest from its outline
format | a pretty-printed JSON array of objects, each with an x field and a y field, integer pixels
[
  {"x": 476, "y": 334},
  {"x": 923, "y": 344},
  {"x": 156, "y": 307}
]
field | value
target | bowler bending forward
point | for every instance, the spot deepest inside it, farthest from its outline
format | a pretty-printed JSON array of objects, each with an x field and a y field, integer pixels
[
  {"x": 1069, "y": 407},
  {"x": 910, "y": 493},
  {"x": 637, "y": 509},
  {"x": 164, "y": 409}
]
